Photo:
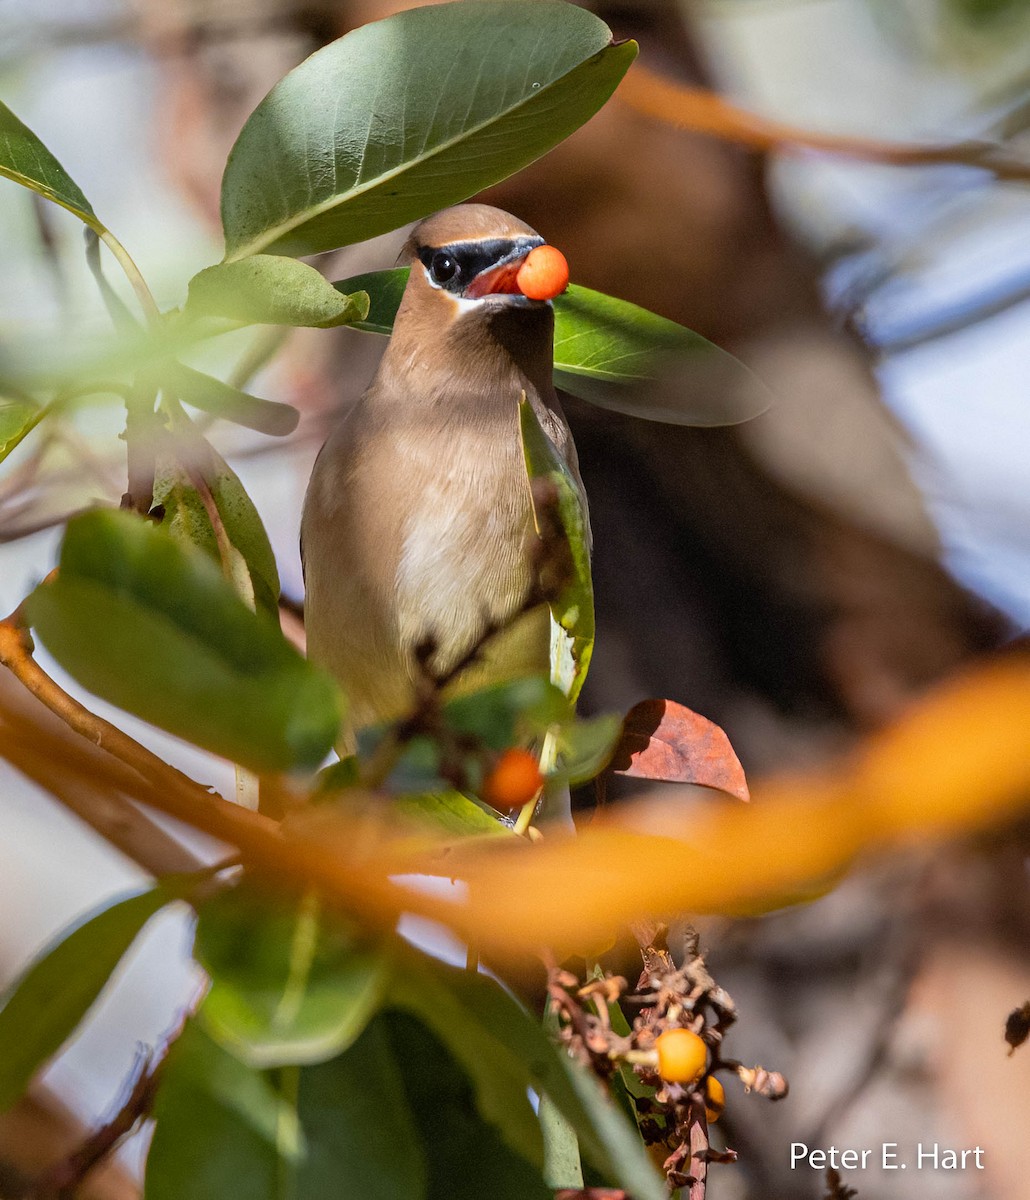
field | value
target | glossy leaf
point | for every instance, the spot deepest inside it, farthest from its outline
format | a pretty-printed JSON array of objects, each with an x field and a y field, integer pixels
[
  {"x": 186, "y": 517},
  {"x": 269, "y": 289},
  {"x": 664, "y": 740},
  {"x": 616, "y": 355},
  {"x": 25, "y": 159},
  {"x": 43, "y": 1008},
  {"x": 288, "y": 983},
  {"x": 222, "y": 400},
  {"x": 221, "y": 1129},
  {"x": 622, "y": 357},
  {"x": 150, "y": 625},
  {"x": 572, "y": 614},
  {"x": 408, "y": 115},
  {"x": 481, "y": 1023}
]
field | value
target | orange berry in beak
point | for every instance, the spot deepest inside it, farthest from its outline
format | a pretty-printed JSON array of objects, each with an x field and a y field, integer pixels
[{"x": 544, "y": 274}]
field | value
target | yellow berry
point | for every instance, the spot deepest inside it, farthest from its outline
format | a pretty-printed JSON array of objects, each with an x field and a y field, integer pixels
[
  {"x": 682, "y": 1056},
  {"x": 715, "y": 1099},
  {"x": 514, "y": 781}
]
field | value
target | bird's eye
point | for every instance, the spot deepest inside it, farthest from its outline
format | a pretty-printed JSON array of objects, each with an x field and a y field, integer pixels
[{"x": 443, "y": 267}]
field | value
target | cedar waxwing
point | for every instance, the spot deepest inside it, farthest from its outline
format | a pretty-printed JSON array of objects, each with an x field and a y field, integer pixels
[{"x": 418, "y": 516}]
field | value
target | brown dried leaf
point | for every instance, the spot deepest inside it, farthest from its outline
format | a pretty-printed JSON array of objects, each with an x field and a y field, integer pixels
[{"x": 664, "y": 740}]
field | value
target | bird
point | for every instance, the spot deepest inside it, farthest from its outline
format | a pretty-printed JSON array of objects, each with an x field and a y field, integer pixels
[{"x": 417, "y": 523}]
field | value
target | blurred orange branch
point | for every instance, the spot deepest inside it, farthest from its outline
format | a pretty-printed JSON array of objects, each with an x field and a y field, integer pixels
[
  {"x": 958, "y": 762},
  {"x": 16, "y": 656},
  {"x": 702, "y": 111}
]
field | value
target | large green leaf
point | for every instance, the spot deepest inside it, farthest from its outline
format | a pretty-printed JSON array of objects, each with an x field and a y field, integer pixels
[
  {"x": 268, "y": 289},
  {"x": 443, "y": 998},
  {"x": 489, "y": 1033},
  {"x": 223, "y": 400},
  {"x": 151, "y": 625},
  {"x": 343, "y": 1128},
  {"x": 186, "y": 517},
  {"x": 616, "y": 355},
  {"x": 288, "y": 984},
  {"x": 360, "y": 1131},
  {"x": 572, "y": 613},
  {"x": 44, "y": 1007},
  {"x": 622, "y": 357},
  {"x": 467, "y": 1158},
  {"x": 221, "y": 1128},
  {"x": 25, "y": 159},
  {"x": 411, "y": 114}
]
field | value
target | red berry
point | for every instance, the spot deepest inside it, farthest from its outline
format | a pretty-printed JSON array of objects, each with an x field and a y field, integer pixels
[
  {"x": 544, "y": 274},
  {"x": 514, "y": 781}
]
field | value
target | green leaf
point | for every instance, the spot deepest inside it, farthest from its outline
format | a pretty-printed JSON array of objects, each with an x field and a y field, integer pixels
[
  {"x": 25, "y": 159},
  {"x": 507, "y": 714},
  {"x": 384, "y": 290},
  {"x": 361, "y": 1133},
  {"x": 17, "y": 418},
  {"x": 474, "y": 1015},
  {"x": 222, "y": 400},
  {"x": 572, "y": 614},
  {"x": 288, "y": 984},
  {"x": 622, "y": 357},
  {"x": 408, "y": 115},
  {"x": 563, "y": 1166},
  {"x": 449, "y": 1002},
  {"x": 268, "y": 289},
  {"x": 150, "y": 625},
  {"x": 186, "y": 517},
  {"x": 585, "y": 747},
  {"x": 450, "y": 813},
  {"x": 616, "y": 355},
  {"x": 342, "y": 1128},
  {"x": 221, "y": 1129},
  {"x": 466, "y": 1156},
  {"x": 43, "y": 1008}
]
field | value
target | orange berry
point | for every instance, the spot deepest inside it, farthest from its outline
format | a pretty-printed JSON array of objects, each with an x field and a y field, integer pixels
[
  {"x": 514, "y": 781},
  {"x": 682, "y": 1056},
  {"x": 544, "y": 274},
  {"x": 715, "y": 1099}
]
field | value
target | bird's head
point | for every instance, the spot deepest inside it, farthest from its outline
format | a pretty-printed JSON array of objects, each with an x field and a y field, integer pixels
[
  {"x": 480, "y": 259},
  {"x": 481, "y": 280}
]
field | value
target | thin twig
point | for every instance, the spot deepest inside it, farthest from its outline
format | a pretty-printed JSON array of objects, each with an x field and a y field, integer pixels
[
  {"x": 701, "y": 111},
  {"x": 62, "y": 1181}
]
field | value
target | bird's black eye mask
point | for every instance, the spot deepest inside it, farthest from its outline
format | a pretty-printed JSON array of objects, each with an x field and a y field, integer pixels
[{"x": 454, "y": 267}]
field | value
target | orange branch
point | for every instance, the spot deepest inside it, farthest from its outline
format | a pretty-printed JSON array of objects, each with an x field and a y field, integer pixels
[
  {"x": 16, "y": 655},
  {"x": 701, "y": 111}
]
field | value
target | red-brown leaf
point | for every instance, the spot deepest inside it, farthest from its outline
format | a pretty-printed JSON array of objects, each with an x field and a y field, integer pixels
[{"x": 663, "y": 740}]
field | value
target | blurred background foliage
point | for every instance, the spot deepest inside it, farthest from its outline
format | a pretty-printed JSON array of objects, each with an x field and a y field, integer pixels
[{"x": 800, "y": 579}]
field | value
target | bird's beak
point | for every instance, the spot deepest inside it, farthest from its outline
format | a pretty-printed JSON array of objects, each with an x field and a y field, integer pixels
[{"x": 500, "y": 280}]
